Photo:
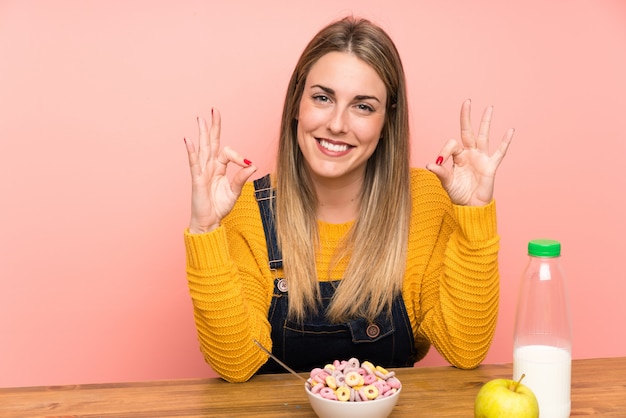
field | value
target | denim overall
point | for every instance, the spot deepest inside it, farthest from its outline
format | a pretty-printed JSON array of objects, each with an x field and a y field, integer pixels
[{"x": 387, "y": 341}]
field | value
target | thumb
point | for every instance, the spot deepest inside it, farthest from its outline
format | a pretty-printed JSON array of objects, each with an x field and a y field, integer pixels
[
  {"x": 240, "y": 178},
  {"x": 441, "y": 172}
]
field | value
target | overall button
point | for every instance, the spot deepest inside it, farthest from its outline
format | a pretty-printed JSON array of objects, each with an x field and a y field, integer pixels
[
  {"x": 282, "y": 285},
  {"x": 372, "y": 331}
]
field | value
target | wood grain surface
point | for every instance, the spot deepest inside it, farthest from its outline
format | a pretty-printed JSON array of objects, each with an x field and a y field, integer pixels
[{"x": 598, "y": 389}]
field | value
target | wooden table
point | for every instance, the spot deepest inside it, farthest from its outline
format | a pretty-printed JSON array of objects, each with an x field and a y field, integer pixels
[{"x": 598, "y": 388}]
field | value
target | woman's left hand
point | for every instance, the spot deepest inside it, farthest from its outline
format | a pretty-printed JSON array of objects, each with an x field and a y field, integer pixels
[{"x": 471, "y": 178}]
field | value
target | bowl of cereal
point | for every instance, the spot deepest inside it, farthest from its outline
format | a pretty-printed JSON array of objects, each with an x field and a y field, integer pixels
[{"x": 351, "y": 389}]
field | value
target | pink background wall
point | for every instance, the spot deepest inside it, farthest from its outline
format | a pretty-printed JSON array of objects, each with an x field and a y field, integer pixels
[{"x": 95, "y": 98}]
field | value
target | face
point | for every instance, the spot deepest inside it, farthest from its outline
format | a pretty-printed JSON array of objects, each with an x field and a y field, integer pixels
[{"x": 340, "y": 117}]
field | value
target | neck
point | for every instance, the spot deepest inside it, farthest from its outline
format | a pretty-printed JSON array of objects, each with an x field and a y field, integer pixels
[{"x": 338, "y": 199}]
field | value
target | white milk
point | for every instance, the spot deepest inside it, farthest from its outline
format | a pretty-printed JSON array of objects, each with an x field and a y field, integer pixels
[{"x": 548, "y": 373}]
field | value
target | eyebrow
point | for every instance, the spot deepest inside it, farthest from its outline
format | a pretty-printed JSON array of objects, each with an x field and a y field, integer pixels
[{"x": 358, "y": 97}]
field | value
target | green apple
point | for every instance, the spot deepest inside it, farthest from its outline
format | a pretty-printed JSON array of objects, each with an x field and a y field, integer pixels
[{"x": 500, "y": 398}]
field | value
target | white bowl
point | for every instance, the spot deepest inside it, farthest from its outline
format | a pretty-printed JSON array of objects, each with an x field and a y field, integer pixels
[{"x": 327, "y": 408}]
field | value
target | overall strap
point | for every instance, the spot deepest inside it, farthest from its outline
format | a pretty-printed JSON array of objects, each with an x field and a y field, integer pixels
[{"x": 265, "y": 194}]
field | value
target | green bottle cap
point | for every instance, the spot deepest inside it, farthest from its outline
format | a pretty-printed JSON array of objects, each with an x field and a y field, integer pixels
[{"x": 544, "y": 248}]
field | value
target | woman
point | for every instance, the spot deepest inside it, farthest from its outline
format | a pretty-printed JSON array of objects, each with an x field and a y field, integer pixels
[{"x": 345, "y": 251}]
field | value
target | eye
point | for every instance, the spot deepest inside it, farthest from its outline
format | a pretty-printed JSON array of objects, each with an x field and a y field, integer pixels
[
  {"x": 321, "y": 98},
  {"x": 365, "y": 107}
]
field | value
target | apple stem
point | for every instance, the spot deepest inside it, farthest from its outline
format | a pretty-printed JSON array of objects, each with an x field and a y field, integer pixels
[{"x": 518, "y": 382}]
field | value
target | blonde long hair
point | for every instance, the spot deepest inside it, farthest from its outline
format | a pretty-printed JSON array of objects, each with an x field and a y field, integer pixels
[{"x": 378, "y": 238}]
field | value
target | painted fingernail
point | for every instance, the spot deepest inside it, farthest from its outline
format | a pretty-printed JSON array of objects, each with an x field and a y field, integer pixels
[
  {"x": 247, "y": 162},
  {"x": 439, "y": 160}
]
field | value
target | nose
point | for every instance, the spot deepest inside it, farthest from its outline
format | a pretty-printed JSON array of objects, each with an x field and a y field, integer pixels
[{"x": 338, "y": 121}]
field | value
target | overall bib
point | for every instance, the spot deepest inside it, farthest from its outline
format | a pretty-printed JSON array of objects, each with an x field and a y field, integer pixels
[{"x": 387, "y": 341}]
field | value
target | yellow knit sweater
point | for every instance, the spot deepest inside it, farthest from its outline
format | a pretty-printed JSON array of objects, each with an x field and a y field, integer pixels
[{"x": 451, "y": 287}]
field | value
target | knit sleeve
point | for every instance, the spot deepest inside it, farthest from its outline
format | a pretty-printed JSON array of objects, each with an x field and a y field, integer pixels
[
  {"x": 459, "y": 291},
  {"x": 231, "y": 291}
]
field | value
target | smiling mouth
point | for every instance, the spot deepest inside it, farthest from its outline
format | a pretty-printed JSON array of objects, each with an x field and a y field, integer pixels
[{"x": 333, "y": 147}]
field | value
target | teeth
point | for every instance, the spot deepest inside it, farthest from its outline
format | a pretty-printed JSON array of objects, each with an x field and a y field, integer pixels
[{"x": 333, "y": 147}]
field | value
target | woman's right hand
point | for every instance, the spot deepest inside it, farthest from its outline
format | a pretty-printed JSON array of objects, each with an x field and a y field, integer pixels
[{"x": 213, "y": 194}]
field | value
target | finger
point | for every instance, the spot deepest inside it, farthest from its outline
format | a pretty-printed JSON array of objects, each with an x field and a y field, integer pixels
[
  {"x": 450, "y": 148},
  {"x": 216, "y": 128},
  {"x": 192, "y": 156},
  {"x": 482, "y": 141},
  {"x": 204, "y": 150},
  {"x": 228, "y": 155},
  {"x": 189, "y": 146},
  {"x": 498, "y": 156},
  {"x": 467, "y": 133}
]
